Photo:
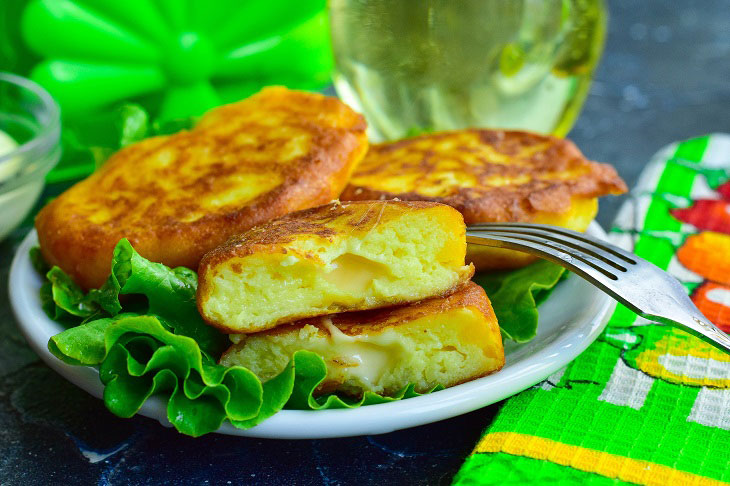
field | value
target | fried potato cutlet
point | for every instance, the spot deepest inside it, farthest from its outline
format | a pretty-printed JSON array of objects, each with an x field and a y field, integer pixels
[
  {"x": 177, "y": 197},
  {"x": 489, "y": 176},
  {"x": 445, "y": 340},
  {"x": 334, "y": 258}
]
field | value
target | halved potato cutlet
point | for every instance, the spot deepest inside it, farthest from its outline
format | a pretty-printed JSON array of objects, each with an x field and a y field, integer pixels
[
  {"x": 489, "y": 176},
  {"x": 334, "y": 258},
  {"x": 445, "y": 340},
  {"x": 177, "y": 197}
]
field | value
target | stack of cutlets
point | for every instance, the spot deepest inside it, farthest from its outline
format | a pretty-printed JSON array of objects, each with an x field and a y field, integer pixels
[{"x": 379, "y": 289}]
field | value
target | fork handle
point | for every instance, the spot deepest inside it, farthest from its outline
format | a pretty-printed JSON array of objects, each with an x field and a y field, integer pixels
[{"x": 697, "y": 325}]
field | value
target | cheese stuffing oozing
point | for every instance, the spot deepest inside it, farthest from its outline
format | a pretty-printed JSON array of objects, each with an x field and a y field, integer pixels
[
  {"x": 335, "y": 258},
  {"x": 441, "y": 341}
]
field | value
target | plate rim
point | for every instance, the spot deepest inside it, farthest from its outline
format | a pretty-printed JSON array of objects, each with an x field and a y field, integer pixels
[{"x": 319, "y": 424}]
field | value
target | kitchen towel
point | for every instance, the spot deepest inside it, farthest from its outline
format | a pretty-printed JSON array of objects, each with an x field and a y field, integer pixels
[{"x": 645, "y": 403}]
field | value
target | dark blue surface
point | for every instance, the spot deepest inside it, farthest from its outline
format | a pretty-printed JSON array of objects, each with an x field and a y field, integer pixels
[{"x": 663, "y": 78}]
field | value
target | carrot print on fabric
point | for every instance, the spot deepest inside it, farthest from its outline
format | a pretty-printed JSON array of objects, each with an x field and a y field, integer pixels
[{"x": 707, "y": 254}]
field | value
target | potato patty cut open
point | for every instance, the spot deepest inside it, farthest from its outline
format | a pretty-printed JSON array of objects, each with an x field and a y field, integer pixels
[
  {"x": 489, "y": 176},
  {"x": 334, "y": 258},
  {"x": 445, "y": 340}
]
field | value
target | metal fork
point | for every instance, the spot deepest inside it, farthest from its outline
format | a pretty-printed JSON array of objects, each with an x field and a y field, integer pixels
[{"x": 639, "y": 285}]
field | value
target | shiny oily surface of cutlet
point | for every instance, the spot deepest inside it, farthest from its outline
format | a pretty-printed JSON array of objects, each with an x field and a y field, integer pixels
[
  {"x": 440, "y": 341},
  {"x": 177, "y": 197},
  {"x": 488, "y": 175},
  {"x": 333, "y": 258}
]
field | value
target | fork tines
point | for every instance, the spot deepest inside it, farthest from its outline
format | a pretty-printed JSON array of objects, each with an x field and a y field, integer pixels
[
  {"x": 557, "y": 243},
  {"x": 549, "y": 232}
]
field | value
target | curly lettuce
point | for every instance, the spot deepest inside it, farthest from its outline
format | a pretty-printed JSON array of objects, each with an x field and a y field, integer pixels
[{"x": 516, "y": 295}]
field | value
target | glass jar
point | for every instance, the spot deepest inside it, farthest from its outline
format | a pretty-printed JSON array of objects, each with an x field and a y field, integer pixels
[{"x": 419, "y": 65}]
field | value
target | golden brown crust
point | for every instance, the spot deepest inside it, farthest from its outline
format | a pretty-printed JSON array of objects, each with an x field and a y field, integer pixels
[
  {"x": 487, "y": 175},
  {"x": 177, "y": 197},
  {"x": 317, "y": 221},
  {"x": 378, "y": 320}
]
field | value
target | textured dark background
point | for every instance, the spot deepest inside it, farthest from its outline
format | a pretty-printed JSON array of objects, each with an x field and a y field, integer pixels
[{"x": 664, "y": 77}]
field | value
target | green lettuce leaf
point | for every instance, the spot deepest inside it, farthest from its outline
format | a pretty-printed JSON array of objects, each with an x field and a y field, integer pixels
[
  {"x": 88, "y": 141},
  {"x": 139, "y": 357},
  {"x": 133, "y": 124},
  {"x": 37, "y": 261},
  {"x": 170, "y": 294},
  {"x": 68, "y": 296},
  {"x": 516, "y": 294}
]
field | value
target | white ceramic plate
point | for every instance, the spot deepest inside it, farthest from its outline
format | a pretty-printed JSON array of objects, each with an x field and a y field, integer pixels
[{"x": 570, "y": 320}]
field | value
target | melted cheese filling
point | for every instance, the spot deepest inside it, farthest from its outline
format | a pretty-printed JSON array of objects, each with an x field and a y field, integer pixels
[
  {"x": 366, "y": 356},
  {"x": 354, "y": 273}
]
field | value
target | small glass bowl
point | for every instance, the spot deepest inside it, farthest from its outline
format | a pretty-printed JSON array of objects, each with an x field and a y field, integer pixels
[{"x": 30, "y": 116}]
